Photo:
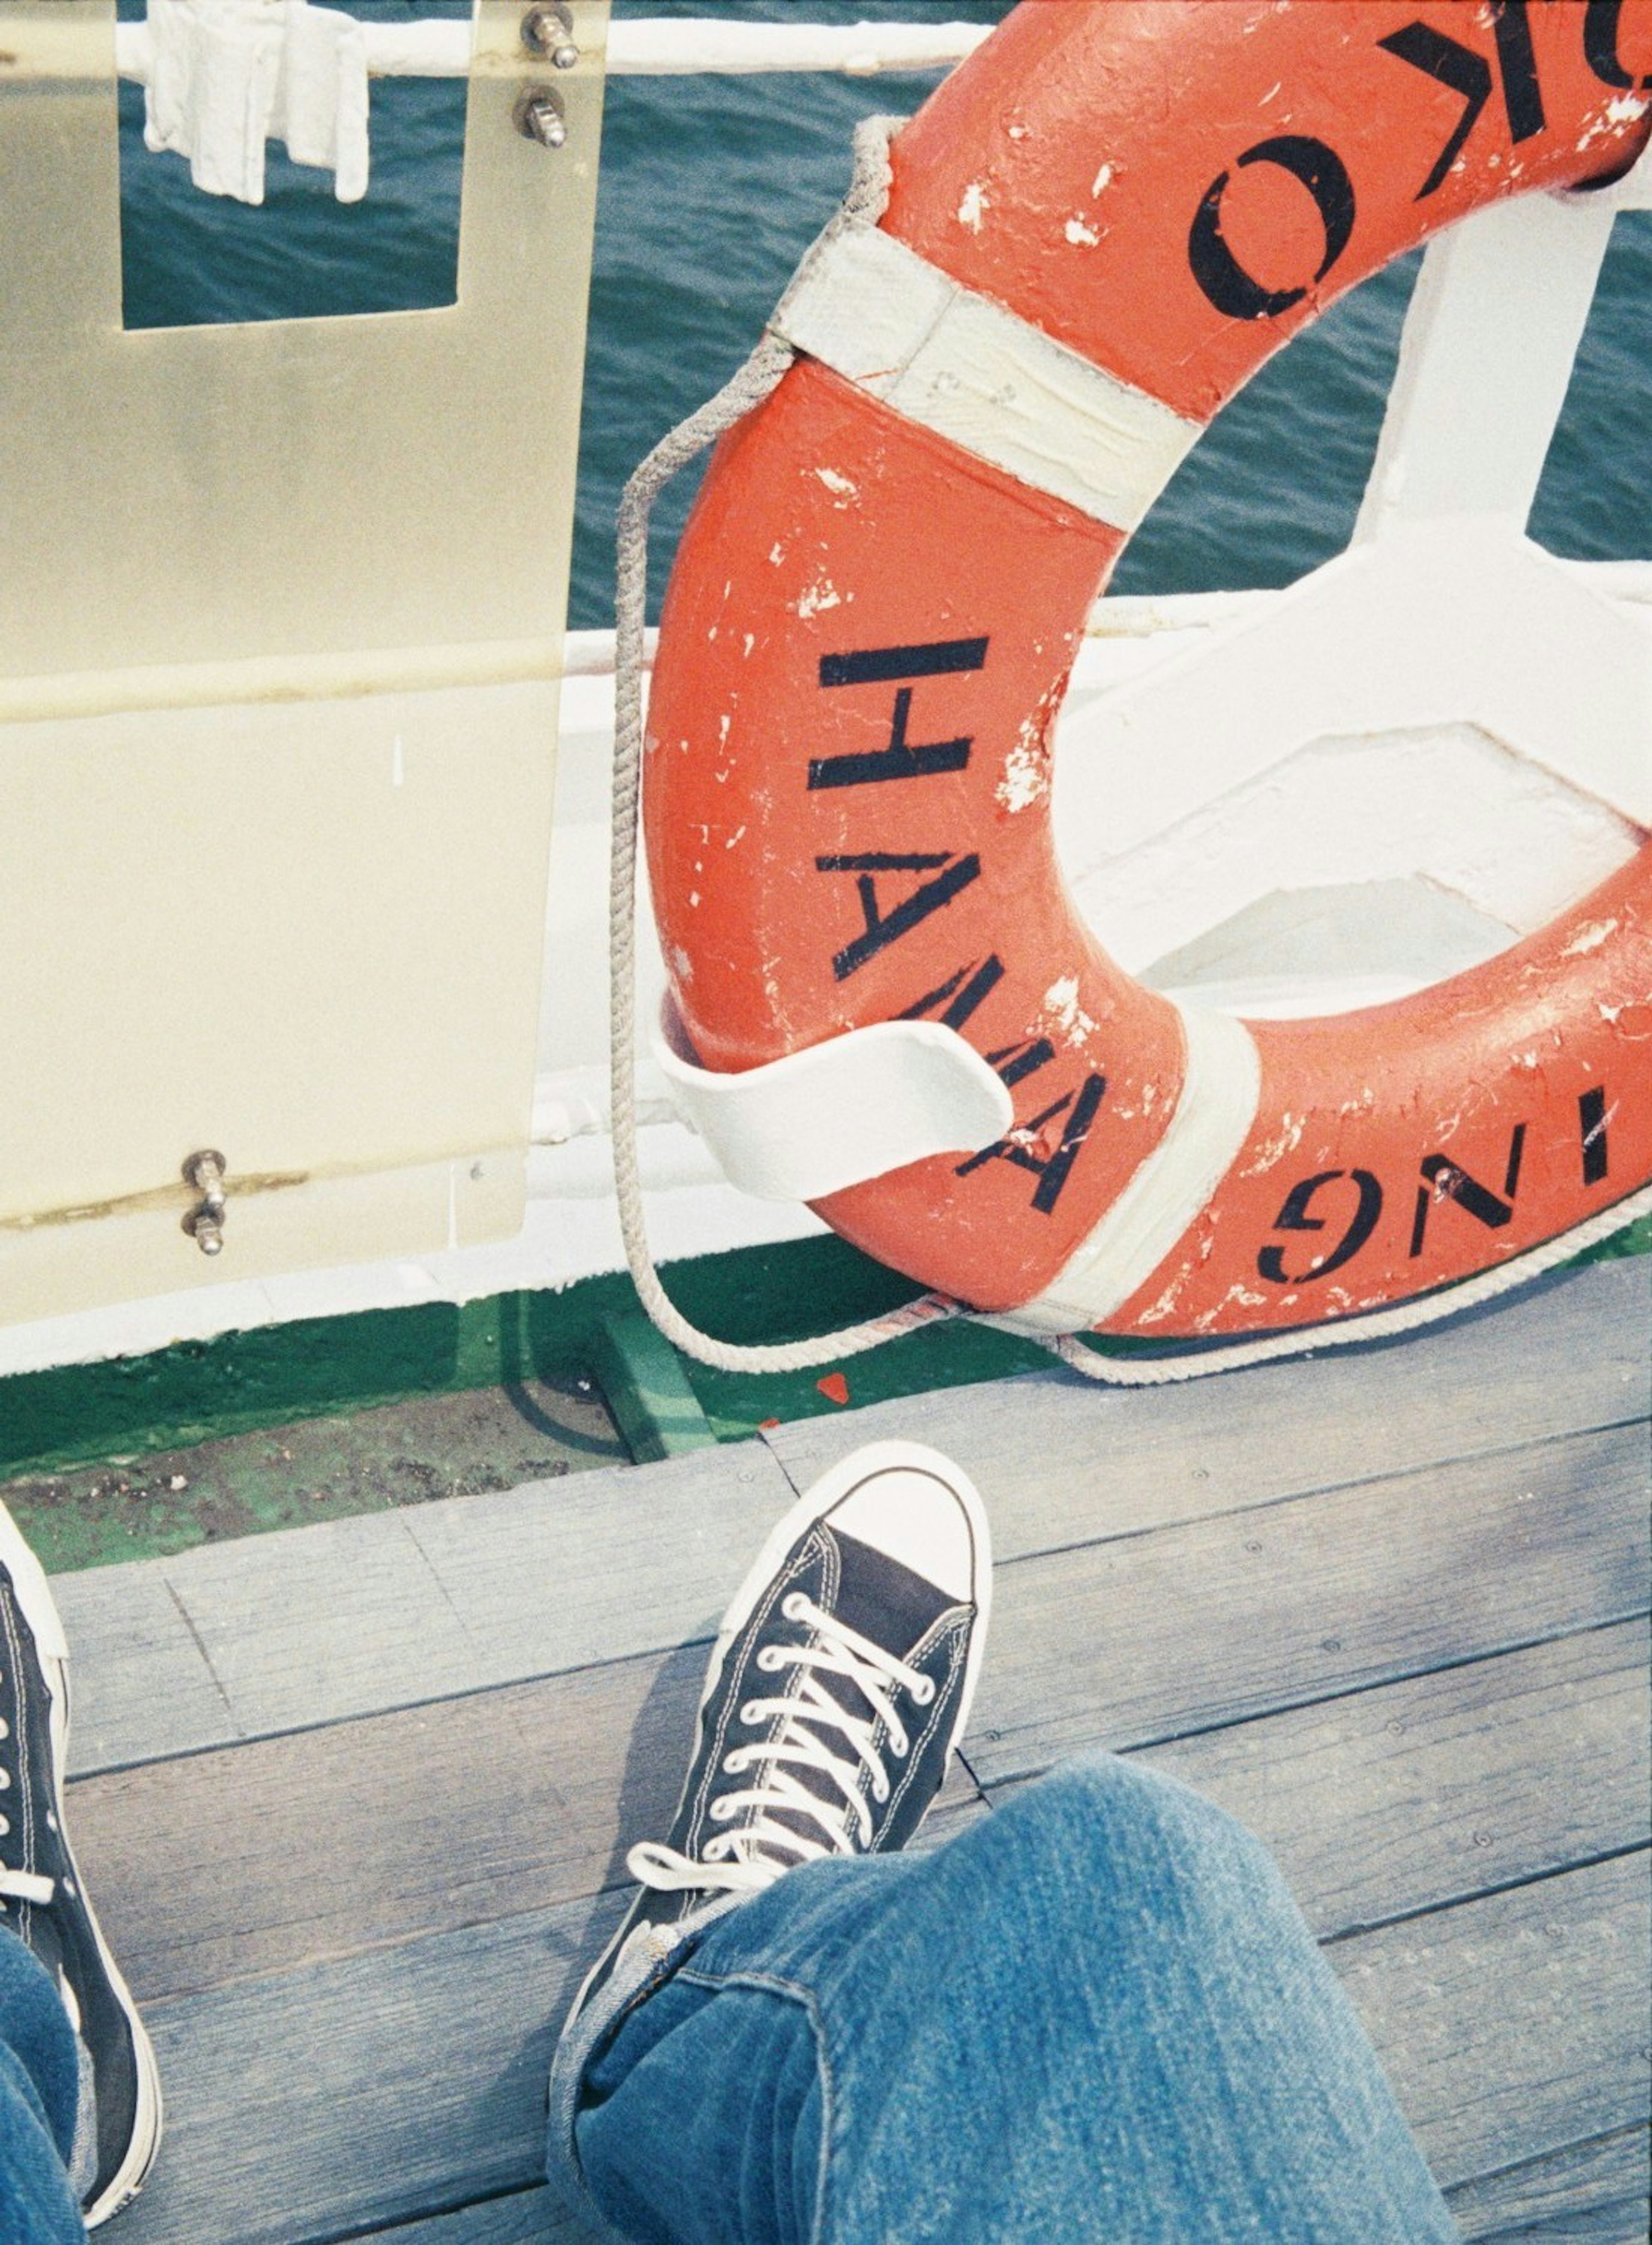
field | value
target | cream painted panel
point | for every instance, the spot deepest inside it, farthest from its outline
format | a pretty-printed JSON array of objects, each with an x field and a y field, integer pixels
[
  {"x": 280, "y": 615},
  {"x": 271, "y": 931},
  {"x": 91, "y": 1258}
]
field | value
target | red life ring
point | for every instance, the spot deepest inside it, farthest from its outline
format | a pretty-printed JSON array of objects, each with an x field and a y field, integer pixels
[{"x": 870, "y": 626}]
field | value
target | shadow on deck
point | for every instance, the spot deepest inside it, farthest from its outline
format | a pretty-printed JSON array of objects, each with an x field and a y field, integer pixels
[{"x": 354, "y": 1799}]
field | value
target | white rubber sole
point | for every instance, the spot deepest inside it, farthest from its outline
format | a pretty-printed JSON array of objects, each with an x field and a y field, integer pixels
[{"x": 39, "y": 1609}]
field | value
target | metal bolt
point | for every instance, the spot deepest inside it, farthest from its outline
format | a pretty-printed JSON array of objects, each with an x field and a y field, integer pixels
[
  {"x": 204, "y": 1222},
  {"x": 539, "y": 116},
  {"x": 549, "y": 31}
]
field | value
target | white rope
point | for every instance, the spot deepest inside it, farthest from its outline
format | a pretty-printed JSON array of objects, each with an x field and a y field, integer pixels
[
  {"x": 1374, "y": 1324},
  {"x": 864, "y": 205}
]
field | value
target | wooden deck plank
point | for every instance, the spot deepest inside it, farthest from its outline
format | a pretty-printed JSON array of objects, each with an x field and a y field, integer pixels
[
  {"x": 1626, "y": 2222},
  {"x": 323, "y": 1622},
  {"x": 1410, "y": 1796},
  {"x": 648, "y": 1560},
  {"x": 1604, "y": 2182},
  {"x": 1370, "y": 1608},
  {"x": 357, "y": 2094},
  {"x": 363, "y": 2093},
  {"x": 268, "y": 1634},
  {"x": 1514, "y": 2025},
  {"x": 1404, "y": 1798},
  {"x": 1393, "y": 1800},
  {"x": 358, "y": 1617},
  {"x": 454, "y": 1814},
  {"x": 1156, "y": 1636},
  {"x": 142, "y": 1685},
  {"x": 1061, "y": 1462}
]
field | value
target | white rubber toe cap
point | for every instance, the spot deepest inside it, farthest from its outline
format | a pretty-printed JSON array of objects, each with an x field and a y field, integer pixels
[{"x": 919, "y": 1509}]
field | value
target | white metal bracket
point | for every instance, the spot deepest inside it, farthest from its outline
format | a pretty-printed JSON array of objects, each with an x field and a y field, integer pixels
[{"x": 842, "y": 1112}]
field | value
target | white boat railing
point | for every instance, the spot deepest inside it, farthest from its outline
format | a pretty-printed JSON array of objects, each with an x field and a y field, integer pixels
[{"x": 664, "y": 46}]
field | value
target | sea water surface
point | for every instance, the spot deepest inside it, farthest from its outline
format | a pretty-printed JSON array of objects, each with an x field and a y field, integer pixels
[{"x": 712, "y": 186}]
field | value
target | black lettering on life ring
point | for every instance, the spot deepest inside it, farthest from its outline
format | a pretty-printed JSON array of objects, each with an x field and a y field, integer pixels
[
  {"x": 1445, "y": 1179},
  {"x": 1517, "y": 59},
  {"x": 1468, "y": 73},
  {"x": 952, "y": 874},
  {"x": 1015, "y": 1062},
  {"x": 902, "y": 759},
  {"x": 883, "y": 666},
  {"x": 1220, "y": 274},
  {"x": 961, "y": 993},
  {"x": 1295, "y": 1217},
  {"x": 1052, "y": 1171},
  {"x": 1601, "y": 47},
  {"x": 1591, "y": 1122}
]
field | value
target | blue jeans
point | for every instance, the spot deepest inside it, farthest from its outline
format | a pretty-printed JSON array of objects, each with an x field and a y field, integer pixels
[
  {"x": 1095, "y": 2015},
  {"x": 39, "y": 2095}
]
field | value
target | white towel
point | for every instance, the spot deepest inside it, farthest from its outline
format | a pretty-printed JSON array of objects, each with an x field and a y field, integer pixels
[
  {"x": 211, "y": 87},
  {"x": 321, "y": 101},
  {"x": 227, "y": 75}
]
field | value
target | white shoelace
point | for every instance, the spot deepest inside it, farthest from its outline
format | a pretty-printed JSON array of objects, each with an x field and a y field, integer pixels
[
  {"x": 26, "y": 1885},
  {"x": 753, "y": 1857}
]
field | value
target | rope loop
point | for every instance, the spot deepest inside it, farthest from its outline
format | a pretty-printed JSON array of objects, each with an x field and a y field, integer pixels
[{"x": 864, "y": 206}]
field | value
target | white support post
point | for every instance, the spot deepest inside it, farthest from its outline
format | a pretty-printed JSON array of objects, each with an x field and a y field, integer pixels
[{"x": 1493, "y": 328}]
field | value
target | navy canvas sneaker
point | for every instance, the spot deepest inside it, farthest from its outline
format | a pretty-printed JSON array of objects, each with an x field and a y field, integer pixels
[
  {"x": 42, "y": 1899},
  {"x": 838, "y": 1686}
]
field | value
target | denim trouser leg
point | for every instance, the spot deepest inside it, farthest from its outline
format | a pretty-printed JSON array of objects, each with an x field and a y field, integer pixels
[
  {"x": 39, "y": 2091},
  {"x": 1097, "y": 2014}
]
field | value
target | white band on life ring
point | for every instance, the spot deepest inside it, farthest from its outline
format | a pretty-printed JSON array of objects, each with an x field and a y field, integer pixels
[
  {"x": 842, "y": 1112},
  {"x": 1178, "y": 1178},
  {"x": 897, "y": 328}
]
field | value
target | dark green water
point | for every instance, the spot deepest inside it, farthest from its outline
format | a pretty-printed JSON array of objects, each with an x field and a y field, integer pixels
[{"x": 712, "y": 188}]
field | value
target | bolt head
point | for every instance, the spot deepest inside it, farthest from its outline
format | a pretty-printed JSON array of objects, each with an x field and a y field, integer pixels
[
  {"x": 208, "y": 1164},
  {"x": 539, "y": 116},
  {"x": 549, "y": 31}
]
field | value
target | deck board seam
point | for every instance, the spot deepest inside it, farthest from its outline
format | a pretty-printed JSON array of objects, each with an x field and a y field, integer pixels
[
  {"x": 443, "y": 1588},
  {"x": 765, "y": 1435},
  {"x": 1286, "y": 1706},
  {"x": 1484, "y": 1893},
  {"x": 200, "y": 1643},
  {"x": 1577, "y": 2145},
  {"x": 1284, "y": 1497}
]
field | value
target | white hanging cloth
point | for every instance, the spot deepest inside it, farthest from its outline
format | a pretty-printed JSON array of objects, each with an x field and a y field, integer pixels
[{"x": 227, "y": 76}]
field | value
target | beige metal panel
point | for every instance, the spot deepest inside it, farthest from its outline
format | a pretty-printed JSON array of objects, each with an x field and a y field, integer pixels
[
  {"x": 280, "y": 612},
  {"x": 290, "y": 931},
  {"x": 207, "y": 493}
]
